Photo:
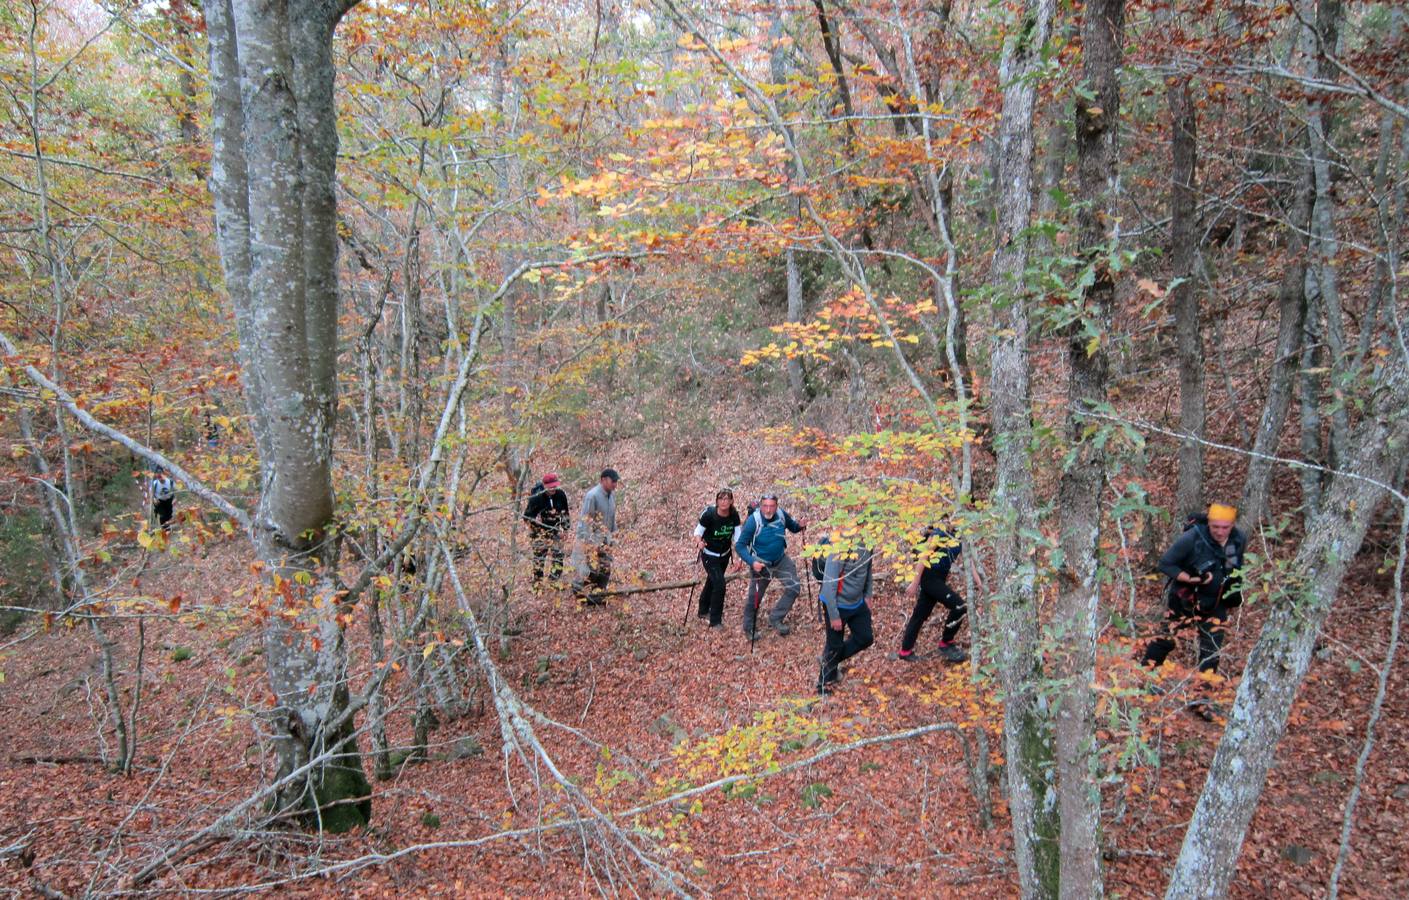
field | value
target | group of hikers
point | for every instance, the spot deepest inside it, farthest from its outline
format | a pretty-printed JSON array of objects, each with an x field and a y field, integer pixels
[
  {"x": 1202, "y": 567},
  {"x": 759, "y": 537}
]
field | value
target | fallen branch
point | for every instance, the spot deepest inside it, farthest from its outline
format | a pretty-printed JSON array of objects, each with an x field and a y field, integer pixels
[
  {"x": 38, "y": 760},
  {"x": 20, "y": 849},
  {"x": 670, "y": 586}
]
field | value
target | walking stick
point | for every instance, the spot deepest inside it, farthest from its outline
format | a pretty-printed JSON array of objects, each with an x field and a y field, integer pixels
[
  {"x": 807, "y": 573},
  {"x": 690, "y": 592}
]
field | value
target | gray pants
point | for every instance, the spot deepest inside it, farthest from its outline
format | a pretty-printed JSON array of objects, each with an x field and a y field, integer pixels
[{"x": 785, "y": 570}]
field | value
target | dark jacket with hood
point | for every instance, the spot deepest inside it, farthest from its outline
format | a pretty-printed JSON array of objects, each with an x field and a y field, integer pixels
[{"x": 1196, "y": 552}]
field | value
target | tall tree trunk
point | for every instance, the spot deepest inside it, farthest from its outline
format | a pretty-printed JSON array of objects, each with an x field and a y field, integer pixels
[
  {"x": 1208, "y": 859},
  {"x": 796, "y": 309},
  {"x": 273, "y": 169},
  {"x": 1184, "y": 299},
  {"x": 1083, "y": 481},
  {"x": 1323, "y": 39},
  {"x": 1026, "y": 736},
  {"x": 1291, "y": 311}
]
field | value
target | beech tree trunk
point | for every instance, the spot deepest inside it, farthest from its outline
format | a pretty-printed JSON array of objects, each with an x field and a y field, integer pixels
[
  {"x": 1291, "y": 310},
  {"x": 1026, "y": 736},
  {"x": 272, "y": 177},
  {"x": 1083, "y": 481},
  {"x": 778, "y": 74},
  {"x": 1184, "y": 298},
  {"x": 1278, "y": 663}
]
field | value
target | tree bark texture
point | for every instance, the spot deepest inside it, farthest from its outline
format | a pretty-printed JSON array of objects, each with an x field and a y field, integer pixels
[
  {"x": 1083, "y": 481},
  {"x": 1209, "y": 857},
  {"x": 1027, "y": 742},
  {"x": 1184, "y": 298},
  {"x": 272, "y": 177},
  {"x": 1291, "y": 312},
  {"x": 1323, "y": 38},
  {"x": 778, "y": 74}
]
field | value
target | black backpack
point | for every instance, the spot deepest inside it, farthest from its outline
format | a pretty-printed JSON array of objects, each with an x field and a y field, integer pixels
[{"x": 819, "y": 565}]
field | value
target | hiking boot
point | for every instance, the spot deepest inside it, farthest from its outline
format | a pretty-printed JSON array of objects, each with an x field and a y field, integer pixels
[
  {"x": 952, "y": 653},
  {"x": 907, "y": 655},
  {"x": 782, "y": 628},
  {"x": 714, "y": 625},
  {"x": 750, "y": 633}
]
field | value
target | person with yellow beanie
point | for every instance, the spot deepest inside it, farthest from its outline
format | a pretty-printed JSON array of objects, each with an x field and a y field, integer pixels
[{"x": 1204, "y": 567}]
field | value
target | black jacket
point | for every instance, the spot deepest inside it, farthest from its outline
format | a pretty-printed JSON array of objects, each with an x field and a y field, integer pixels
[
  {"x": 547, "y": 512},
  {"x": 1196, "y": 552}
]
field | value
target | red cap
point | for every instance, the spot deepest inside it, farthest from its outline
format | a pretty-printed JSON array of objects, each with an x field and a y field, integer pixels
[{"x": 550, "y": 479}]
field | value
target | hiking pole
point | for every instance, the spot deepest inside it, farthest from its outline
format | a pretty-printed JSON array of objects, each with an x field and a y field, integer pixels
[
  {"x": 689, "y": 592},
  {"x": 807, "y": 571}
]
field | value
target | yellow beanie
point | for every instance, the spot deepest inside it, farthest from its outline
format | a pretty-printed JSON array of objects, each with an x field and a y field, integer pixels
[{"x": 1222, "y": 513}]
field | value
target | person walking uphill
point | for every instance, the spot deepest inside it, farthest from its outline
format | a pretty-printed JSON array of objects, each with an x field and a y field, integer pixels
[
  {"x": 596, "y": 528},
  {"x": 715, "y": 533},
  {"x": 163, "y": 491},
  {"x": 846, "y": 586},
  {"x": 1204, "y": 569},
  {"x": 547, "y": 515},
  {"x": 763, "y": 545},
  {"x": 929, "y": 587}
]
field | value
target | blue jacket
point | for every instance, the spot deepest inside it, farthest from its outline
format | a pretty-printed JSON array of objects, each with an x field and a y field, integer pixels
[{"x": 765, "y": 540}]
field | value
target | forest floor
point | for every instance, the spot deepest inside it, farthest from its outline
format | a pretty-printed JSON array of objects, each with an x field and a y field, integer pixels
[{"x": 664, "y": 703}]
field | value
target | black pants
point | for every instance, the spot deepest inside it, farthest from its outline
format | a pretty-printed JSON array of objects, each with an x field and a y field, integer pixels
[
  {"x": 547, "y": 554},
  {"x": 712, "y": 594},
  {"x": 839, "y": 649},
  {"x": 162, "y": 508},
  {"x": 1210, "y": 636},
  {"x": 931, "y": 594}
]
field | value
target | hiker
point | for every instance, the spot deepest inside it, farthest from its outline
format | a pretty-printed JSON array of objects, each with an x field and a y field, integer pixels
[
  {"x": 714, "y": 535},
  {"x": 212, "y": 433},
  {"x": 547, "y": 515},
  {"x": 763, "y": 544},
  {"x": 596, "y": 526},
  {"x": 931, "y": 586},
  {"x": 1203, "y": 566},
  {"x": 163, "y": 491},
  {"x": 845, "y": 588}
]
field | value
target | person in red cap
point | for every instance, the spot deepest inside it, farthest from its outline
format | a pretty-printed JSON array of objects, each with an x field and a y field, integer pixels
[{"x": 547, "y": 517}]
